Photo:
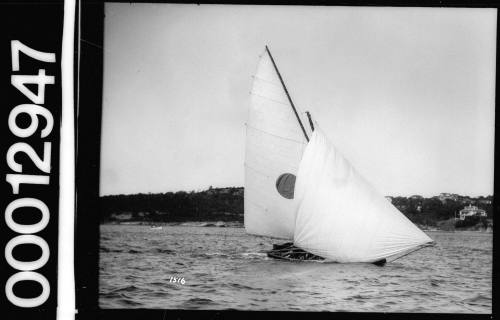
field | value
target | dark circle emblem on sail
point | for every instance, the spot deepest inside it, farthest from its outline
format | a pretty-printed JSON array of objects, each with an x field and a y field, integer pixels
[{"x": 285, "y": 184}]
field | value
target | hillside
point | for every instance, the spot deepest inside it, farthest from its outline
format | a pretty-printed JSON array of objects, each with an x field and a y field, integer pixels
[
  {"x": 226, "y": 204},
  {"x": 214, "y": 204}
]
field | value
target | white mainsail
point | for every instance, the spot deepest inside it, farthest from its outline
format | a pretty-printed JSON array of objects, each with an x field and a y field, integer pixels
[
  {"x": 340, "y": 216},
  {"x": 274, "y": 146}
]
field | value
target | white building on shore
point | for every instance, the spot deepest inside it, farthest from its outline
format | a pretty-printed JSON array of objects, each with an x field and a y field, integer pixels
[{"x": 471, "y": 211}]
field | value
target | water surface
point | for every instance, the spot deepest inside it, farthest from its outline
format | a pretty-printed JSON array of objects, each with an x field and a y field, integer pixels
[{"x": 224, "y": 268}]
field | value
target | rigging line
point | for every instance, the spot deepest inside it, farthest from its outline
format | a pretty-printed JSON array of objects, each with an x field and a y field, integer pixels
[
  {"x": 287, "y": 94},
  {"x": 272, "y": 134},
  {"x": 416, "y": 249}
]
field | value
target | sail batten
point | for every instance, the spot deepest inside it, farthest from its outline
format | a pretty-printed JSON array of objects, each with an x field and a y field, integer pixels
[{"x": 272, "y": 134}]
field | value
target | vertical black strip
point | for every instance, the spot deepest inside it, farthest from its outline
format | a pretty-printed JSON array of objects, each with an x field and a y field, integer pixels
[
  {"x": 496, "y": 204},
  {"x": 88, "y": 157},
  {"x": 288, "y": 95}
]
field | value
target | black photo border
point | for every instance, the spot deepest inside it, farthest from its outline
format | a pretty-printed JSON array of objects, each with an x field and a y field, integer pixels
[{"x": 89, "y": 108}]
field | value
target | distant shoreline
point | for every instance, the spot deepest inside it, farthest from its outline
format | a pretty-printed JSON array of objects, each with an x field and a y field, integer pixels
[
  {"x": 226, "y": 206},
  {"x": 220, "y": 224},
  {"x": 239, "y": 224}
]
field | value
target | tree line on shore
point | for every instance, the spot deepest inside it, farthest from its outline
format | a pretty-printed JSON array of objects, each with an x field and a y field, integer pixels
[
  {"x": 226, "y": 204},
  {"x": 214, "y": 204},
  {"x": 430, "y": 211}
]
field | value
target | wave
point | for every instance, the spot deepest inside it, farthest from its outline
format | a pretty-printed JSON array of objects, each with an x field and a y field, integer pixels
[
  {"x": 199, "y": 302},
  {"x": 480, "y": 299},
  {"x": 160, "y": 250}
]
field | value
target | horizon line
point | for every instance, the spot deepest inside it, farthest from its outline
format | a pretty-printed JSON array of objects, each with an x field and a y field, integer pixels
[{"x": 229, "y": 187}]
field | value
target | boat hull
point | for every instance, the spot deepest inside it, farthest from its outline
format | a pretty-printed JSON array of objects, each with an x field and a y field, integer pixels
[{"x": 289, "y": 252}]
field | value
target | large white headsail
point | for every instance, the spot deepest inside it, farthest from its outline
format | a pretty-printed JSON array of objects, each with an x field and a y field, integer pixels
[
  {"x": 274, "y": 147},
  {"x": 340, "y": 216}
]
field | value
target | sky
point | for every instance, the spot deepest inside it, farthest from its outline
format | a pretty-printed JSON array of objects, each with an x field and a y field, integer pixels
[{"x": 406, "y": 94}]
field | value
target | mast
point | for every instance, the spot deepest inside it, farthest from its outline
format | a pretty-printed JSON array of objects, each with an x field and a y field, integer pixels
[
  {"x": 310, "y": 120},
  {"x": 288, "y": 95}
]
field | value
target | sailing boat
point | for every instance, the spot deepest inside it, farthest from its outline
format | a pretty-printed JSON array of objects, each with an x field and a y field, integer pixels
[{"x": 299, "y": 187}]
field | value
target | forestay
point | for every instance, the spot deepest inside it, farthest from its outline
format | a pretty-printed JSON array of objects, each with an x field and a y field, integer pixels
[
  {"x": 274, "y": 147},
  {"x": 340, "y": 216}
]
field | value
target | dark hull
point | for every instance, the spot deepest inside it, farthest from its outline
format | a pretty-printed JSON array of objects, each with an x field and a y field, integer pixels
[
  {"x": 281, "y": 256},
  {"x": 289, "y": 252}
]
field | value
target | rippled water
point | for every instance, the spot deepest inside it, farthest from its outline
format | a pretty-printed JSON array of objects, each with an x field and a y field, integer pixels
[{"x": 224, "y": 268}]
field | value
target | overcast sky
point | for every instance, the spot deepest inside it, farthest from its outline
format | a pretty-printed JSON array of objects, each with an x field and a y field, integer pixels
[{"x": 406, "y": 94}]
